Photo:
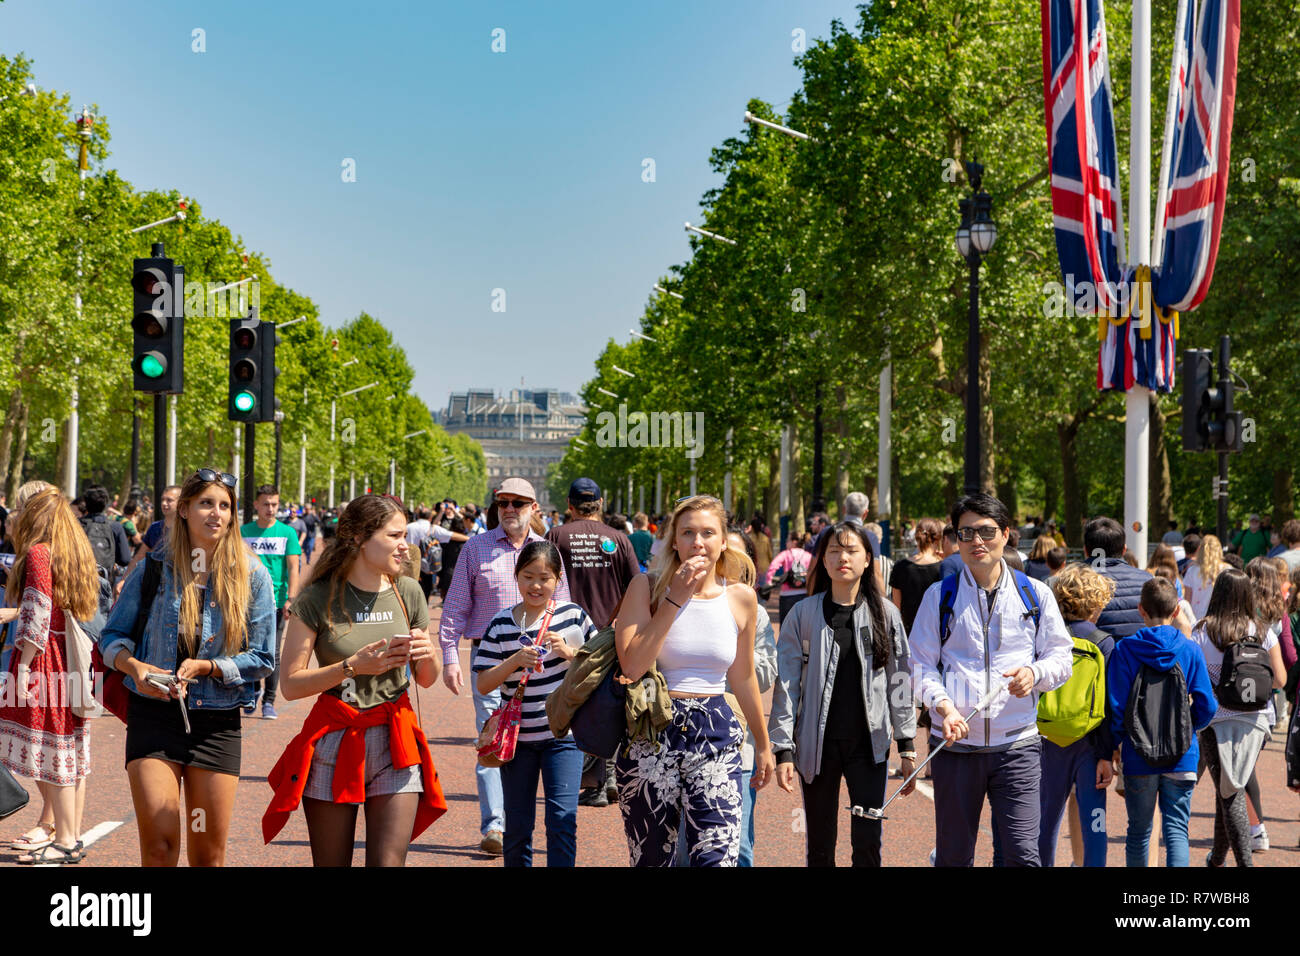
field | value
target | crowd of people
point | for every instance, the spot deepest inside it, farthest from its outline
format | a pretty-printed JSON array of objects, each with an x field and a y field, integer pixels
[{"x": 1036, "y": 682}]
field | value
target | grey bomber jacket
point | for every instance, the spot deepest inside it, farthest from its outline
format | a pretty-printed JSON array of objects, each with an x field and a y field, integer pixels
[{"x": 807, "y": 659}]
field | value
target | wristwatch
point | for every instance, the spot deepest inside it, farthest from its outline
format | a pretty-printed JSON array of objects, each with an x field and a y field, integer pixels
[{"x": 348, "y": 672}]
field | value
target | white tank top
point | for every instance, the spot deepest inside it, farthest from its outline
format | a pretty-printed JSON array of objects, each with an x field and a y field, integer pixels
[{"x": 700, "y": 646}]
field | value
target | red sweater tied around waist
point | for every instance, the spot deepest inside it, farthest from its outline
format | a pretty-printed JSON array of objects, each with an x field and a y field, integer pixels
[{"x": 289, "y": 776}]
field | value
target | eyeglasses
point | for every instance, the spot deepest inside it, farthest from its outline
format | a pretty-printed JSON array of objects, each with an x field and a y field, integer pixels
[
  {"x": 207, "y": 474},
  {"x": 689, "y": 497},
  {"x": 986, "y": 533},
  {"x": 517, "y": 503}
]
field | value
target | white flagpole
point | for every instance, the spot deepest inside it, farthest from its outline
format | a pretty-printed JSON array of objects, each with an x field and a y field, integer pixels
[
  {"x": 1167, "y": 147},
  {"x": 1137, "y": 401}
]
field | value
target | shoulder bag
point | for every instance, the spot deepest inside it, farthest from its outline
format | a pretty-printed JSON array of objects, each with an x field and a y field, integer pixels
[{"x": 500, "y": 734}]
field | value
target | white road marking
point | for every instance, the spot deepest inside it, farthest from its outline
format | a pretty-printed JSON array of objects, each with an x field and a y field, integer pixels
[
  {"x": 99, "y": 831},
  {"x": 925, "y": 788}
]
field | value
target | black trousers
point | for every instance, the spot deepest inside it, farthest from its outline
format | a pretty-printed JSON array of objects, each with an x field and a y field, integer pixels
[{"x": 852, "y": 761}]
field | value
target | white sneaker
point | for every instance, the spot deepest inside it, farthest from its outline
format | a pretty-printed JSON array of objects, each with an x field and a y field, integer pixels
[{"x": 1259, "y": 841}]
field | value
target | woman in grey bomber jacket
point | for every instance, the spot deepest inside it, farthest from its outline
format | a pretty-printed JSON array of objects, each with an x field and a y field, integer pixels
[{"x": 842, "y": 692}]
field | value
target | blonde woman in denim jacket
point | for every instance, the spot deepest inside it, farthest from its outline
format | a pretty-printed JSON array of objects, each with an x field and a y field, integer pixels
[{"x": 213, "y": 624}]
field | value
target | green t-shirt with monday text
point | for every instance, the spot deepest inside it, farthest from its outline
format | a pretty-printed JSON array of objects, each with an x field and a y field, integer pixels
[
  {"x": 274, "y": 545},
  {"x": 360, "y": 618}
]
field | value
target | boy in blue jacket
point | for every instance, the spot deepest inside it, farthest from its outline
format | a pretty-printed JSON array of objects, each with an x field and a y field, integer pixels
[{"x": 1163, "y": 647}]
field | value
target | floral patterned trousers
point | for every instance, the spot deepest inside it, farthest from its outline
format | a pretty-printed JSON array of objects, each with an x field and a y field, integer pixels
[{"x": 693, "y": 765}]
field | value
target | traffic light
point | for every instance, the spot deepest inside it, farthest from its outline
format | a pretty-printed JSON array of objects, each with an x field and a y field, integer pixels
[
  {"x": 252, "y": 369},
  {"x": 158, "y": 323},
  {"x": 1209, "y": 421},
  {"x": 245, "y": 368},
  {"x": 1197, "y": 377}
]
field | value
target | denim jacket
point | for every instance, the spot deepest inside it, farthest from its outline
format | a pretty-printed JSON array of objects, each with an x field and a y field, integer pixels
[{"x": 237, "y": 684}]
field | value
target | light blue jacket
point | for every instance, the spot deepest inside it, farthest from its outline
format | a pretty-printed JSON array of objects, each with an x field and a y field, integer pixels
[{"x": 237, "y": 684}]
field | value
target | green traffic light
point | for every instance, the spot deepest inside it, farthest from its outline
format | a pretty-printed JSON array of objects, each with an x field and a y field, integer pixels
[
  {"x": 244, "y": 402},
  {"x": 152, "y": 367}
]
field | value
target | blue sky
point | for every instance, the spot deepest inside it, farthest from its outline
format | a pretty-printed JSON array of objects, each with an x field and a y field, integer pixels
[{"x": 475, "y": 170}]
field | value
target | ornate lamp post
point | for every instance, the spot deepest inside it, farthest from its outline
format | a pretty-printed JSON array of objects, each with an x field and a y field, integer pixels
[{"x": 975, "y": 238}]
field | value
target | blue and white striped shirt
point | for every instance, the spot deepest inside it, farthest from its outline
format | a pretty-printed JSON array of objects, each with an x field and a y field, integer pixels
[{"x": 502, "y": 639}]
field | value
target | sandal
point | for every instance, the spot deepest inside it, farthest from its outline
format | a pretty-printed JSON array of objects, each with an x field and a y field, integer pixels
[
  {"x": 54, "y": 854},
  {"x": 30, "y": 841}
]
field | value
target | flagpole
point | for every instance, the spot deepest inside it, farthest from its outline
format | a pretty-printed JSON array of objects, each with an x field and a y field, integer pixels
[
  {"x": 1176, "y": 65},
  {"x": 1137, "y": 399}
]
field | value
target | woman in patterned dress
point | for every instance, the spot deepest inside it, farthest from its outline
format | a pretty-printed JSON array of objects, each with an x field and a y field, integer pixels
[{"x": 40, "y": 737}]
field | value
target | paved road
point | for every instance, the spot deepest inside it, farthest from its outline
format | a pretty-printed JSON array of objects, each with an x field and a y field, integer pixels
[{"x": 453, "y": 840}]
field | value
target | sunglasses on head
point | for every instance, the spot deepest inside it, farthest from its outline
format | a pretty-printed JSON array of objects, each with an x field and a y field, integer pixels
[
  {"x": 689, "y": 497},
  {"x": 986, "y": 533},
  {"x": 517, "y": 503},
  {"x": 207, "y": 474}
]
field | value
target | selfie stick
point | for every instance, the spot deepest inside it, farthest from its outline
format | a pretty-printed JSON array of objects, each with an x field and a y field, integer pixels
[{"x": 871, "y": 813}]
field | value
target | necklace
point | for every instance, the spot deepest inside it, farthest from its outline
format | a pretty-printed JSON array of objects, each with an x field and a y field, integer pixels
[
  {"x": 365, "y": 607},
  {"x": 523, "y": 618}
]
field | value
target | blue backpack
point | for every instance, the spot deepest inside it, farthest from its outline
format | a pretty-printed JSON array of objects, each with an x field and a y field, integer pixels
[{"x": 948, "y": 594}]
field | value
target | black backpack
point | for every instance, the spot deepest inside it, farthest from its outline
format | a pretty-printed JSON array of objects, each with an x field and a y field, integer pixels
[
  {"x": 1158, "y": 719},
  {"x": 104, "y": 545},
  {"x": 1246, "y": 678}
]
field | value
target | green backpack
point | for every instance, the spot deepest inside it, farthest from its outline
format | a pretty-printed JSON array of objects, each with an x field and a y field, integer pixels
[{"x": 1078, "y": 706}]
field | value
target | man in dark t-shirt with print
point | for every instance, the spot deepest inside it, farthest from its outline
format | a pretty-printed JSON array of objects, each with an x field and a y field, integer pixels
[{"x": 599, "y": 564}]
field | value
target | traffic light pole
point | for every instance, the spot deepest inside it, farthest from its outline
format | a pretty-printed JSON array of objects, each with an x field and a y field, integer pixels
[
  {"x": 249, "y": 434},
  {"x": 1225, "y": 385},
  {"x": 159, "y": 446},
  {"x": 278, "y": 448},
  {"x": 1221, "y": 493},
  {"x": 135, "y": 443}
]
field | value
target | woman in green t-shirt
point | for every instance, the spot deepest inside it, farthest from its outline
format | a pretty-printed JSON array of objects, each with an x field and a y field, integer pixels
[{"x": 366, "y": 623}]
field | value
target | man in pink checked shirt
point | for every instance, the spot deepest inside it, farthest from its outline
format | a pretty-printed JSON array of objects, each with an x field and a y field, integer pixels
[{"x": 482, "y": 586}]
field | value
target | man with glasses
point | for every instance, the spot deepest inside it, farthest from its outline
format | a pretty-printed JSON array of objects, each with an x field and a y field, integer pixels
[
  {"x": 1000, "y": 628},
  {"x": 482, "y": 586}
]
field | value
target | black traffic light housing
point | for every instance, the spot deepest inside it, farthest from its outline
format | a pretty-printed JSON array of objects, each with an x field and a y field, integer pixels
[
  {"x": 1209, "y": 421},
  {"x": 252, "y": 369},
  {"x": 245, "y": 368},
  {"x": 158, "y": 324},
  {"x": 1197, "y": 374}
]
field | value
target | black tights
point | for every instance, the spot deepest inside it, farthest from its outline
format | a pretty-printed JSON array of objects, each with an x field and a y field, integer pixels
[
  {"x": 1231, "y": 824},
  {"x": 332, "y": 828}
]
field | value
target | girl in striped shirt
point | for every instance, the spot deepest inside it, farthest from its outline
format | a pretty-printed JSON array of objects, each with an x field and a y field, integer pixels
[{"x": 512, "y": 647}]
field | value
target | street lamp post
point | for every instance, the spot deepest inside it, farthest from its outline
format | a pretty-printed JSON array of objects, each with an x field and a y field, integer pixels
[
  {"x": 352, "y": 487},
  {"x": 975, "y": 238}
]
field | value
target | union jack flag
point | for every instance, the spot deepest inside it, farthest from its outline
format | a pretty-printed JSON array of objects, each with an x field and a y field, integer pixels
[
  {"x": 1087, "y": 206},
  {"x": 1086, "y": 199},
  {"x": 1196, "y": 186}
]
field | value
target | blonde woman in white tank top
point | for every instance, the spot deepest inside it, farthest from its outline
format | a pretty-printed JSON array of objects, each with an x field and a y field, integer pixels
[{"x": 694, "y": 615}]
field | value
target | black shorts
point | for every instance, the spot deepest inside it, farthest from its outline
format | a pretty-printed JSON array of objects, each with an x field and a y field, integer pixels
[{"x": 154, "y": 729}]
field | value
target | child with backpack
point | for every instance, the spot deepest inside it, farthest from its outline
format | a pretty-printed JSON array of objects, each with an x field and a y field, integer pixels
[
  {"x": 1244, "y": 668},
  {"x": 1150, "y": 677},
  {"x": 1077, "y": 741}
]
